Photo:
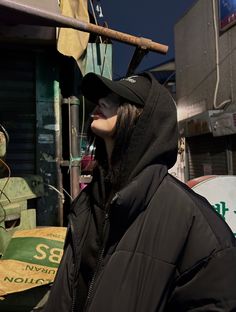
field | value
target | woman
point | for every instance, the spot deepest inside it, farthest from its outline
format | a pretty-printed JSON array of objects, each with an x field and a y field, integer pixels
[{"x": 138, "y": 239}]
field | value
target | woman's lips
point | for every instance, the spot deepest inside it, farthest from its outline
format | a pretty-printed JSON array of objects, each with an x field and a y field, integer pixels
[{"x": 98, "y": 115}]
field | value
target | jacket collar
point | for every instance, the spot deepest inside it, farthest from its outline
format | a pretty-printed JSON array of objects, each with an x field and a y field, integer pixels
[{"x": 135, "y": 197}]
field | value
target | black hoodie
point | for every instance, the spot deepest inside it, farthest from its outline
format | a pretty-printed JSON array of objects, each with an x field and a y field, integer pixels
[
  {"x": 157, "y": 246},
  {"x": 154, "y": 139}
]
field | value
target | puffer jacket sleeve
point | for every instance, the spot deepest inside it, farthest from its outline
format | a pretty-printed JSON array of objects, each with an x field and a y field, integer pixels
[
  {"x": 60, "y": 298},
  {"x": 62, "y": 294},
  {"x": 208, "y": 286}
]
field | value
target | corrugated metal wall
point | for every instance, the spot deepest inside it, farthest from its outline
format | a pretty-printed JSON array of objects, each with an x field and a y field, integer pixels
[{"x": 17, "y": 108}]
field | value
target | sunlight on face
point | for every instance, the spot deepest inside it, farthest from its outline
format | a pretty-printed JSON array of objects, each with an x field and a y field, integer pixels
[{"x": 105, "y": 116}]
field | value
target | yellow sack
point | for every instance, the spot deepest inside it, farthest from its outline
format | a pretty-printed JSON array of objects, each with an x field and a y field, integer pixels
[{"x": 31, "y": 259}]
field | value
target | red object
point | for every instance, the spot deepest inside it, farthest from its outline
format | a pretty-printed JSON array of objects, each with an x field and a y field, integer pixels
[
  {"x": 87, "y": 163},
  {"x": 195, "y": 181}
]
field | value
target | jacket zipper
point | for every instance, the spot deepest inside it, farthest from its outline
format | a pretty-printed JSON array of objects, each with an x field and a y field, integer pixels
[
  {"x": 101, "y": 254},
  {"x": 98, "y": 266},
  {"x": 91, "y": 287},
  {"x": 76, "y": 269},
  {"x": 73, "y": 244}
]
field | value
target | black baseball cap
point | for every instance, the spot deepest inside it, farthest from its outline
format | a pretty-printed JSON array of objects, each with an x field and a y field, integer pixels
[{"x": 133, "y": 88}]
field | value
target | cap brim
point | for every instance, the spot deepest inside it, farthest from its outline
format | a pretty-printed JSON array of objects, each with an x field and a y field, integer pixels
[{"x": 95, "y": 87}]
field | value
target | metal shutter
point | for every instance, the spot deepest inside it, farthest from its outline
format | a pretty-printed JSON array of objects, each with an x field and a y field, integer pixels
[
  {"x": 233, "y": 144},
  {"x": 17, "y": 108},
  {"x": 206, "y": 155}
]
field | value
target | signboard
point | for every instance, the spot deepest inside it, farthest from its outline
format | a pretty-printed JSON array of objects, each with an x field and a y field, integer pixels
[
  {"x": 227, "y": 13},
  {"x": 220, "y": 192}
]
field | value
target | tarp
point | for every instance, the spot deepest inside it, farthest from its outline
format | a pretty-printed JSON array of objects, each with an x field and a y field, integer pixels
[{"x": 72, "y": 42}]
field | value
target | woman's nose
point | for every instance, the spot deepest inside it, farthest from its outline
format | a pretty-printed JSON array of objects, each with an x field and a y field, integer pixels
[{"x": 102, "y": 104}]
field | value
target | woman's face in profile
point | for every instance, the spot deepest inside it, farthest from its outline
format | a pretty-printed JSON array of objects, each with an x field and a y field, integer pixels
[{"x": 105, "y": 116}]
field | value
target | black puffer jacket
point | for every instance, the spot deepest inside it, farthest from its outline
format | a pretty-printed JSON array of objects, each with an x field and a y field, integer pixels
[{"x": 156, "y": 246}]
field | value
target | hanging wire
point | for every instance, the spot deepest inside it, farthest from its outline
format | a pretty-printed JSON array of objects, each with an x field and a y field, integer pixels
[
  {"x": 168, "y": 78},
  {"x": 2, "y": 192},
  {"x": 69, "y": 117},
  {"x": 102, "y": 68},
  {"x": 100, "y": 39},
  {"x": 7, "y": 180},
  {"x": 56, "y": 190},
  {"x": 222, "y": 104},
  {"x": 82, "y": 126},
  {"x": 95, "y": 17},
  {"x": 83, "y": 117},
  {"x": 103, "y": 63}
]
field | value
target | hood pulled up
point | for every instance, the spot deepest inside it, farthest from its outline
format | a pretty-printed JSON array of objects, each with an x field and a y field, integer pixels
[{"x": 155, "y": 136}]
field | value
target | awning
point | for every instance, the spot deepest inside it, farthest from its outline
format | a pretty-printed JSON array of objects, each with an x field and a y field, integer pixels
[
  {"x": 46, "y": 13},
  {"x": 28, "y": 12}
]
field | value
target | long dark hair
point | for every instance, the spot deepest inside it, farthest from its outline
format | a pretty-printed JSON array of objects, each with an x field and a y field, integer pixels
[{"x": 127, "y": 117}]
